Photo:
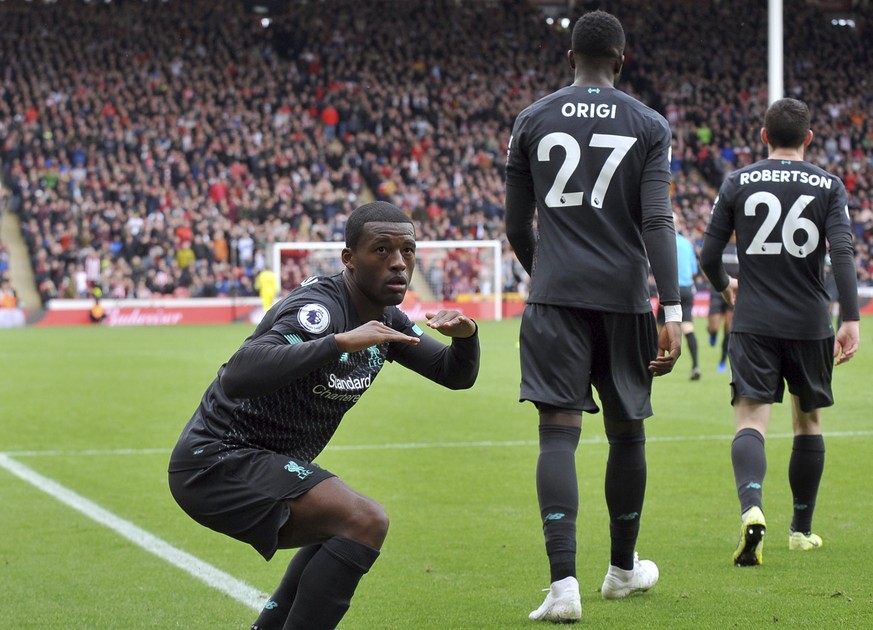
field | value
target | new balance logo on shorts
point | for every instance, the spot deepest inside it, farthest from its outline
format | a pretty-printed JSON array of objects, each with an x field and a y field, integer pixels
[{"x": 300, "y": 471}]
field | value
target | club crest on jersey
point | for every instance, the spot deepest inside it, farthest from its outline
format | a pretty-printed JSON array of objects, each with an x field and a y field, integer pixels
[
  {"x": 314, "y": 318},
  {"x": 374, "y": 359}
]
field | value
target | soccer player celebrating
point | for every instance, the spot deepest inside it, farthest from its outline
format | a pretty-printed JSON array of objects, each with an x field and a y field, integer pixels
[
  {"x": 244, "y": 465},
  {"x": 783, "y": 211},
  {"x": 593, "y": 165}
]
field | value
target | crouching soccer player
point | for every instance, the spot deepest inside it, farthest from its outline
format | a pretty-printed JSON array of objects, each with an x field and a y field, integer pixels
[{"x": 244, "y": 466}]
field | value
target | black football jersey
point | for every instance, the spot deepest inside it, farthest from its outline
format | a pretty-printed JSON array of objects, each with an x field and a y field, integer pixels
[
  {"x": 298, "y": 414},
  {"x": 585, "y": 151},
  {"x": 730, "y": 260},
  {"x": 783, "y": 213}
]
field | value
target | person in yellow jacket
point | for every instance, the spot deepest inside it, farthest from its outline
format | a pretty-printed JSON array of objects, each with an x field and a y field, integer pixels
[
  {"x": 97, "y": 313},
  {"x": 265, "y": 283}
]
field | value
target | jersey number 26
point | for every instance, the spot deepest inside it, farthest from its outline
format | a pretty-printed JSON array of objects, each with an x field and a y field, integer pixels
[{"x": 793, "y": 223}]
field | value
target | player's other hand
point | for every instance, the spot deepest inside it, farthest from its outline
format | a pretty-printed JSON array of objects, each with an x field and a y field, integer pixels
[
  {"x": 669, "y": 349},
  {"x": 847, "y": 340},
  {"x": 370, "y": 334},
  {"x": 451, "y": 323},
  {"x": 730, "y": 293}
]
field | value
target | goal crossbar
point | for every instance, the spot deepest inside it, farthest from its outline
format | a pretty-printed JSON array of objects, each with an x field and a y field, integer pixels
[{"x": 492, "y": 297}]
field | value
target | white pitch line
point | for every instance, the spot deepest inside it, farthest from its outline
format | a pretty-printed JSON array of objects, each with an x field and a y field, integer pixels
[
  {"x": 594, "y": 440},
  {"x": 217, "y": 579},
  {"x": 89, "y": 451},
  {"x": 210, "y": 575},
  {"x": 423, "y": 445}
]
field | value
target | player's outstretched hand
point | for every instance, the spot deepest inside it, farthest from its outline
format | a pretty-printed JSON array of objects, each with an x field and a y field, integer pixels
[
  {"x": 370, "y": 334},
  {"x": 451, "y": 323},
  {"x": 669, "y": 349},
  {"x": 847, "y": 341}
]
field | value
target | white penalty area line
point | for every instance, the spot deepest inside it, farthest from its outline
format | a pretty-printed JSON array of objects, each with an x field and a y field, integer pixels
[
  {"x": 594, "y": 440},
  {"x": 425, "y": 445},
  {"x": 217, "y": 579}
]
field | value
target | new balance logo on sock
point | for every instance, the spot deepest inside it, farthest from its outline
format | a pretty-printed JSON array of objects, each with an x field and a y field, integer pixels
[
  {"x": 557, "y": 516},
  {"x": 628, "y": 517},
  {"x": 754, "y": 485}
]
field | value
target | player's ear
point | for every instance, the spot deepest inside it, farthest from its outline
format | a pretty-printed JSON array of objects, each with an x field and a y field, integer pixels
[
  {"x": 764, "y": 136},
  {"x": 571, "y": 59},
  {"x": 346, "y": 257},
  {"x": 808, "y": 138},
  {"x": 619, "y": 64}
]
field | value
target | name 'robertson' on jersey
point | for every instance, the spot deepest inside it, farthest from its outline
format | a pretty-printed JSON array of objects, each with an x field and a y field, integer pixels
[{"x": 779, "y": 176}]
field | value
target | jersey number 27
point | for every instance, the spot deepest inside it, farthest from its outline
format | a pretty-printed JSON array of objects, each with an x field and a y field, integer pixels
[{"x": 558, "y": 196}]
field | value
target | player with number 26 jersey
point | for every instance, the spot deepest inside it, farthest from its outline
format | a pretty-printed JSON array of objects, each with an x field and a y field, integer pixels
[
  {"x": 599, "y": 161},
  {"x": 778, "y": 209}
]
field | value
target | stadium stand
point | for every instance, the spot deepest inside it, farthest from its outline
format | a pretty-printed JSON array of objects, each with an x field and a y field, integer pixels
[{"x": 159, "y": 148}]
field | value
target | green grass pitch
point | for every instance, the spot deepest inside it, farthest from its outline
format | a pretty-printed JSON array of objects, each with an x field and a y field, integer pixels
[{"x": 98, "y": 409}]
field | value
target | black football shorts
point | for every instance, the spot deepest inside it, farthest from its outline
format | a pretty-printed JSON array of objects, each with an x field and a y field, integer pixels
[
  {"x": 717, "y": 304},
  {"x": 762, "y": 365},
  {"x": 244, "y": 495},
  {"x": 565, "y": 351}
]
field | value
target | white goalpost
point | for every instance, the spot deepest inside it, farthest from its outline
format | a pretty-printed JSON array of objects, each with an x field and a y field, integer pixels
[{"x": 465, "y": 275}]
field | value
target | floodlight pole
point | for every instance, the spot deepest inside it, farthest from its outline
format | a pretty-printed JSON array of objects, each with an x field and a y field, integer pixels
[{"x": 775, "y": 87}]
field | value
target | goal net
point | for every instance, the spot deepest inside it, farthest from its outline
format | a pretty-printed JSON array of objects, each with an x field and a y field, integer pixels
[{"x": 461, "y": 275}]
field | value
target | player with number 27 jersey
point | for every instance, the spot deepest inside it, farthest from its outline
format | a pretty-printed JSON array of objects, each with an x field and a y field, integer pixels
[
  {"x": 591, "y": 166},
  {"x": 777, "y": 209},
  {"x": 599, "y": 161}
]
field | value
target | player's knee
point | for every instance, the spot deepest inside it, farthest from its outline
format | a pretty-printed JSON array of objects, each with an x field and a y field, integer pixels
[
  {"x": 368, "y": 522},
  {"x": 625, "y": 432}
]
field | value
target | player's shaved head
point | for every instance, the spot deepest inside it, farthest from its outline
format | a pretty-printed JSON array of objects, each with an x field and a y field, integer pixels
[
  {"x": 598, "y": 34},
  {"x": 786, "y": 122},
  {"x": 380, "y": 211}
]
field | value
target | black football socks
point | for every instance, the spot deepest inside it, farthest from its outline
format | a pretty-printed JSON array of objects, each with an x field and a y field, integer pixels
[
  {"x": 276, "y": 610},
  {"x": 558, "y": 493},
  {"x": 805, "y": 469},
  {"x": 625, "y": 489},
  {"x": 750, "y": 466},
  {"x": 328, "y": 583},
  {"x": 691, "y": 339}
]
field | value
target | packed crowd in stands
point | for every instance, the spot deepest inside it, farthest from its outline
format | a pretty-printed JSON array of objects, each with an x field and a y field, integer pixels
[{"x": 160, "y": 148}]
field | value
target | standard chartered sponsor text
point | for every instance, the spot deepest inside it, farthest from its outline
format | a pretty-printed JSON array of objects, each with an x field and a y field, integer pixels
[{"x": 337, "y": 387}]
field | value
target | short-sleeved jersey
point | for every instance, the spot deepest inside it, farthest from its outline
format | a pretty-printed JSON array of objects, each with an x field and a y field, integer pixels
[
  {"x": 782, "y": 212},
  {"x": 300, "y": 417},
  {"x": 585, "y": 152}
]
